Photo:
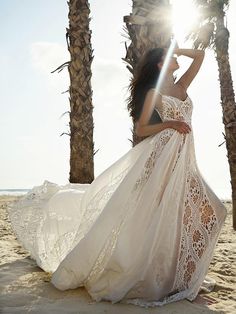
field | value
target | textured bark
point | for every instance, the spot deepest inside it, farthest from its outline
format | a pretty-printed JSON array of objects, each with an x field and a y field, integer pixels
[
  {"x": 148, "y": 26},
  {"x": 81, "y": 108},
  {"x": 228, "y": 104},
  {"x": 212, "y": 33}
]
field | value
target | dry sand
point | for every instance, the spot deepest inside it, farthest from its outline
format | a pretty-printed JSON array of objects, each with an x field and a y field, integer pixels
[{"x": 26, "y": 288}]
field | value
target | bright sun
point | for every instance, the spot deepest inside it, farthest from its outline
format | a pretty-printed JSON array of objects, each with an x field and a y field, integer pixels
[{"x": 184, "y": 16}]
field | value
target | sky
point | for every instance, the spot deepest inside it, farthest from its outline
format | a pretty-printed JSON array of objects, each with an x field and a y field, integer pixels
[{"x": 32, "y": 102}]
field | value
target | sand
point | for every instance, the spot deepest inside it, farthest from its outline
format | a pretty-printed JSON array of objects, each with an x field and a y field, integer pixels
[{"x": 26, "y": 288}]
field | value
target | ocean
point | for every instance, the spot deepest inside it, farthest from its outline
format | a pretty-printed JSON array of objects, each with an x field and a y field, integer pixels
[
  {"x": 13, "y": 191},
  {"x": 223, "y": 195}
]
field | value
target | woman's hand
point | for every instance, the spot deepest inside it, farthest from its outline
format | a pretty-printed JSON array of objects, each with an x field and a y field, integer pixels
[
  {"x": 191, "y": 53},
  {"x": 180, "y": 126},
  {"x": 197, "y": 56},
  {"x": 176, "y": 48}
]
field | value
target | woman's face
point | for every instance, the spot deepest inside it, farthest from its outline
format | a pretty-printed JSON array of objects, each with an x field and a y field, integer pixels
[{"x": 172, "y": 65}]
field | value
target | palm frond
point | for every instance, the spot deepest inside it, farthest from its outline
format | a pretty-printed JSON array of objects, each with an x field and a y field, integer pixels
[
  {"x": 203, "y": 37},
  {"x": 205, "y": 32}
]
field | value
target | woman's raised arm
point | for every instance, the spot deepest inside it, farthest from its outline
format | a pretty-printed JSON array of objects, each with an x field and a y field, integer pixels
[{"x": 197, "y": 56}]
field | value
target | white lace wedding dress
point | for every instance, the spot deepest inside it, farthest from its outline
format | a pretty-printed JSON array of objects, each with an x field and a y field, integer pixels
[{"x": 142, "y": 232}]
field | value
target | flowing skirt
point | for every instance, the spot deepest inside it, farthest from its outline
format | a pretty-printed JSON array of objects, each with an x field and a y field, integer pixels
[{"x": 143, "y": 232}]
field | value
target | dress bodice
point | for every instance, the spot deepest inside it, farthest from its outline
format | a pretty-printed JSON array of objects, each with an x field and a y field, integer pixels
[{"x": 174, "y": 108}]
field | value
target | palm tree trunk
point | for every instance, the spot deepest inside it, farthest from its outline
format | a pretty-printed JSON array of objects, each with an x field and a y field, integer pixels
[
  {"x": 228, "y": 104},
  {"x": 148, "y": 26},
  {"x": 81, "y": 108}
]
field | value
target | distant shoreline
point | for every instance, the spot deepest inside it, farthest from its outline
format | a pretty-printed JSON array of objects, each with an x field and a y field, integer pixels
[
  {"x": 13, "y": 192},
  {"x": 21, "y": 192}
]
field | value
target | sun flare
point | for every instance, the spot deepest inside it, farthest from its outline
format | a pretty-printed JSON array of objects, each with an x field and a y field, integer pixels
[{"x": 184, "y": 16}]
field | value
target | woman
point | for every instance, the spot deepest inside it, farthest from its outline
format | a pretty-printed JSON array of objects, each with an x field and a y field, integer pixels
[{"x": 144, "y": 231}]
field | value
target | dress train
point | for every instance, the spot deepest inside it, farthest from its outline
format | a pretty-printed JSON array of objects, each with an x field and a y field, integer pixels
[{"x": 143, "y": 232}]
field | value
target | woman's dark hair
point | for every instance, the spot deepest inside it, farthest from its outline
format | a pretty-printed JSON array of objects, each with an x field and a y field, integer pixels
[{"x": 144, "y": 78}]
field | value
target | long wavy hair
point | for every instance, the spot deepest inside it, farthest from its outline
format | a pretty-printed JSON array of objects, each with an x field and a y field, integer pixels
[{"x": 144, "y": 78}]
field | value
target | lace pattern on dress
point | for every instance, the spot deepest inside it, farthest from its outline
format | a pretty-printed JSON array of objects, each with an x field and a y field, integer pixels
[
  {"x": 159, "y": 145},
  {"x": 103, "y": 256},
  {"x": 200, "y": 225},
  {"x": 27, "y": 223},
  {"x": 199, "y": 222},
  {"x": 96, "y": 204}
]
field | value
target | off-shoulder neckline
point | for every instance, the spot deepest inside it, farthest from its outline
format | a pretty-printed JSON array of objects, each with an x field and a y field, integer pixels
[
  {"x": 176, "y": 97},
  {"x": 172, "y": 96}
]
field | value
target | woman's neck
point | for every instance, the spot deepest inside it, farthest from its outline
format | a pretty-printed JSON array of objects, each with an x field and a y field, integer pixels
[{"x": 168, "y": 81}]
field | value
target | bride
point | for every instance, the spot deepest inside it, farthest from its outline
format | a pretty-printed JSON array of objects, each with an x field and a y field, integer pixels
[{"x": 144, "y": 231}]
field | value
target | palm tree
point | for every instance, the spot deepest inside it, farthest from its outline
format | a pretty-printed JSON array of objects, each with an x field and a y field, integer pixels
[
  {"x": 148, "y": 26},
  {"x": 211, "y": 31},
  {"x": 78, "y": 39}
]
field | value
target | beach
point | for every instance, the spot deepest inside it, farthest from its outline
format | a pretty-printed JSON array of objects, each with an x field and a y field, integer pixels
[{"x": 26, "y": 288}]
